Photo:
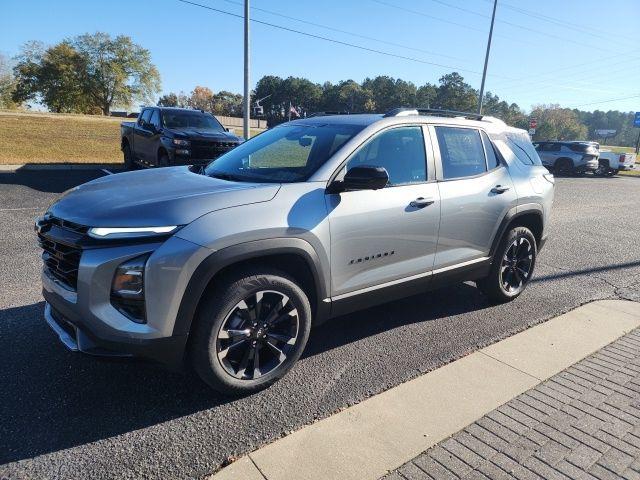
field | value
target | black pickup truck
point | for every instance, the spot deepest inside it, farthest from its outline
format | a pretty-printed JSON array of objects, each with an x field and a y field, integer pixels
[{"x": 165, "y": 136}]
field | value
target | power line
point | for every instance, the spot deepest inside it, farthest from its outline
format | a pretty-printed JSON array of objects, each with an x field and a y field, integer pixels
[
  {"x": 604, "y": 61},
  {"x": 606, "y": 101},
  {"x": 332, "y": 40},
  {"x": 353, "y": 34},
  {"x": 522, "y": 27},
  {"x": 564, "y": 23},
  {"x": 537, "y": 16}
]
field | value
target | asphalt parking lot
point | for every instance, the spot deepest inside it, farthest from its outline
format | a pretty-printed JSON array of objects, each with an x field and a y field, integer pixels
[{"x": 69, "y": 416}]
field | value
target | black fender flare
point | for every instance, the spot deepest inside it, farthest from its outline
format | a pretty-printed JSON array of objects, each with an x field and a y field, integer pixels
[
  {"x": 222, "y": 258},
  {"x": 513, "y": 214}
]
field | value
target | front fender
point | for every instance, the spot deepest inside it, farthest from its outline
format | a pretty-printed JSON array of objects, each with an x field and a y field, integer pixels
[{"x": 220, "y": 259}]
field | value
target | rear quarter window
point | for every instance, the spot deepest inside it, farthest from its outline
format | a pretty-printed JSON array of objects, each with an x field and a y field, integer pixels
[{"x": 522, "y": 148}]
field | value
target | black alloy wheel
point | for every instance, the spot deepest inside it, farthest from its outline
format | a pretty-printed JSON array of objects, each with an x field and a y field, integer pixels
[
  {"x": 515, "y": 269},
  {"x": 257, "y": 335}
]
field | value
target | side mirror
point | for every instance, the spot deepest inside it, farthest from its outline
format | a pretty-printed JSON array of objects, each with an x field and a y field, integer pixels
[{"x": 365, "y": 177}]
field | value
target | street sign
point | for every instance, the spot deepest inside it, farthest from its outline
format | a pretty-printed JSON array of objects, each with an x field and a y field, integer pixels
[
  {"x": 606, "y": 133},
  {"x": 636, "y": 120},
  {"x": 532, "y": 131}
]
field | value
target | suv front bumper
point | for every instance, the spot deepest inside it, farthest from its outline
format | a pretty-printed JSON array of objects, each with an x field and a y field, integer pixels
[{"x": 85, "y": 320}]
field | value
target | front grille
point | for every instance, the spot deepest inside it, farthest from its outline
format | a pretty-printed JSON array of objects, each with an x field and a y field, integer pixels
[
  {"x": 201, "y": 150},
  {"x": 60, "y": 242}
]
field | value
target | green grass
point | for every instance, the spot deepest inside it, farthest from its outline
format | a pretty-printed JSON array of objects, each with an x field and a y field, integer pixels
[
  {"x": 30, "y": 137},
  {"x": 616, "y": 149},
  {"x": 55, "y": 138},
  {"x": 630, "y": 173}
]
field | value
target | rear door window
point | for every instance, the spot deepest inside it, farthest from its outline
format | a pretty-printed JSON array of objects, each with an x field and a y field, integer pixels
[
  {"x": 492, "y": 158},
  {"x": 145, "y": 117},
  {"x": 551, "y": 147},
  {"x": 461, "y": 152},
  {"x": 155, "y": 119}
]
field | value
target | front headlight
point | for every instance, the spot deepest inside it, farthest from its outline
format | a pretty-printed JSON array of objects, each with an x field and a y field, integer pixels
[
  {"x": 178, "y": 142},
  {"x": 127, "y": 289},
  {"x": 130, "y": 232}
]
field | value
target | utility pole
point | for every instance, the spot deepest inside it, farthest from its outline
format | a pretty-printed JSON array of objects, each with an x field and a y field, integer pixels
[
  {"x": 247, "y": 100},
  {"x": 486, "y": 57}
]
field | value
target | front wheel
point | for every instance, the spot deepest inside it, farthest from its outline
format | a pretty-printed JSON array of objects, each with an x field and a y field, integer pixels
[
  {"x": 512, "y": 266},
  {"x": 250, "y": 330}
]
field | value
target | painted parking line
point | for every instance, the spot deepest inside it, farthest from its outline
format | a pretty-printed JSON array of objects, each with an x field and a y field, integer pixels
[{"x": 382, "y": 433}]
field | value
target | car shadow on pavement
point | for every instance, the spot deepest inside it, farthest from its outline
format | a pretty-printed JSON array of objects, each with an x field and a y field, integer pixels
[
  {"x": 53, "y": 399},
  {"x": 445, "y": 302}
]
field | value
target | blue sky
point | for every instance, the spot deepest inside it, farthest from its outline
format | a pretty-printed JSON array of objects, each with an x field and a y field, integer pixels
[{"x": 572, "y": 52}]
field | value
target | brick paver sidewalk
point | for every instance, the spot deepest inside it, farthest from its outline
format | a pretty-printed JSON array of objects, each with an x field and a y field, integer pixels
[{"x": 583, "y": 423}]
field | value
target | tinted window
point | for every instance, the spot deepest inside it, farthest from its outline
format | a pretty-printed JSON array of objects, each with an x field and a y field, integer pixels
[
  {"x": 289, "y": 153},
  {"x": 551, "y": 147},
  {"x": 461, "y": 152},
  {"x": 492, "y": 158},
  {"x": 155, "y": 118},
  {"x": 400, "y": 151},
  {"x": 522, "y": 148},
  {"x": 145, "y": 116},
  {"x": 184, "y": 119}
]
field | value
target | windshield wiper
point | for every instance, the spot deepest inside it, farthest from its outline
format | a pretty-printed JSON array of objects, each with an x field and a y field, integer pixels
[{"x": 224, "y": 176}]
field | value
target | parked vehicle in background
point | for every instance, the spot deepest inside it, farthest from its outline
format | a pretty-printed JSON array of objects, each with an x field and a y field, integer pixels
[
  {"x": 163, "y": 137},
  {"x": 568, "y": 158},
  {"x": 612, "y": 162},
  {"x": 227, "y": 267}
]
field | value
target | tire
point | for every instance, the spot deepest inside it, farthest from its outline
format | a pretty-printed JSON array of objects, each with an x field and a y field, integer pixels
[
  {"x": 497, "y": 285},
  {"x": 129, "y": 160},
  {"x": 226, "y": 336},
  {"x": 163, "y": 159},
  {"x": 564, "y": 167}
]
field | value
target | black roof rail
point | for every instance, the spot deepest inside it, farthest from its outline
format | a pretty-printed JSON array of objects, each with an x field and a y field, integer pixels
[
  {"x": 324, "y": 114},
  {"x": 433, "y": 111}
]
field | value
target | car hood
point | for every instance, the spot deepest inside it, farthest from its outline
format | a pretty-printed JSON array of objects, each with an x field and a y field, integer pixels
[
  {"x": 207, "y": 135},
  {"x": 156, "y": 197}
]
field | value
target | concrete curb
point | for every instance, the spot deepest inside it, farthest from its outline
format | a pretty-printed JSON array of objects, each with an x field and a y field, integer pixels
[
  {"x": 383, "y": 432},
  {"x": 66, "y": 166}
]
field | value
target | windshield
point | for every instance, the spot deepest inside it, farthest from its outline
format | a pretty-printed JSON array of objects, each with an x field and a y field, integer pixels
[
  {"x": 289, "y": 153},
  {"x": 198, "y": 120}
]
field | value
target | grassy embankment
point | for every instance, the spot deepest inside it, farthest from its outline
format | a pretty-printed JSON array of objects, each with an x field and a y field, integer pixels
[{"x": 60, "y": 138}]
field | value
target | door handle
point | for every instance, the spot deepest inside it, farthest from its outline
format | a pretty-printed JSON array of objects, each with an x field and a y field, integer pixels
[
  {"x": 421, "y": 202},
  {"x": 499, "y": 189}
]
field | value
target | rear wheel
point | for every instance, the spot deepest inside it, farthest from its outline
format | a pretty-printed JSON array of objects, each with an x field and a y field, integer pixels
[
  {"x": 129, "y": 160},
  {"x": 512, "y": 266},
  {"x": 250, "y": 331},
  {"x": 163, "y": 159},
  {"x": 564, "y": 166}
]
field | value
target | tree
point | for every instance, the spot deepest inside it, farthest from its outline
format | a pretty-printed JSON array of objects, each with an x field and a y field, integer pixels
[
  {"x": 7, "y": 84},
  {"x": 174, "y": 100},
  {"x": 454, "y": 94},
  {"x": 86, "y": 74},
  {"x": 556, "y": 123},
  {"x": 201, "y": 98},
  {"x": 118, "y": 71}
]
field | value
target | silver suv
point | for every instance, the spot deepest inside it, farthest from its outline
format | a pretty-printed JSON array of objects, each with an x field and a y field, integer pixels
[
  {"x": 227, "y": 267},
  {"x": 567, "y": 158}
]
